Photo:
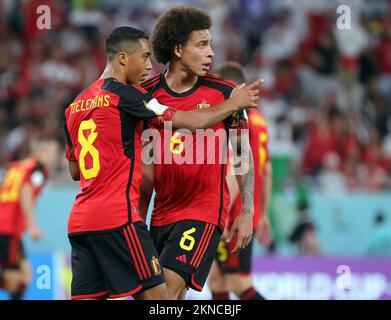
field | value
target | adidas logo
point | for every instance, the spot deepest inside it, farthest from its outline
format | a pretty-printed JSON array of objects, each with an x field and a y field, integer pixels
[{"x": 181, "y": 258}]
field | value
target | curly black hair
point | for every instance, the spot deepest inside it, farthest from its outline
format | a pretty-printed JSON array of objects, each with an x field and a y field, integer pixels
[{"x": 174, "y": 27}]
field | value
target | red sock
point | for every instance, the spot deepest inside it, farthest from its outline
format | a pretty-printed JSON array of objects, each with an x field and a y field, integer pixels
[
  {"x": 251, "y": 294},
  {"x": 220, "y": 295}
]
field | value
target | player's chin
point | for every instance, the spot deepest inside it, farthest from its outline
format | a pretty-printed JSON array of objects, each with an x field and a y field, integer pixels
[{"x": 202, "y": 73}]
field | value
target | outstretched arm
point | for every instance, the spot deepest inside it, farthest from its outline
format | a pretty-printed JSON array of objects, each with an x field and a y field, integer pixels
[
  {"x": 27, "y": 205},
  {"x": 242, "y": 97}
]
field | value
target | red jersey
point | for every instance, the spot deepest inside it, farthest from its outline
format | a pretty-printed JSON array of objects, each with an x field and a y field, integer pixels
[
  {"x": 259, "y": 139},
  {"x": 196, "y": 189},
  {"x": 17, "y": 174},
  {"x": 103, "y": 127}
]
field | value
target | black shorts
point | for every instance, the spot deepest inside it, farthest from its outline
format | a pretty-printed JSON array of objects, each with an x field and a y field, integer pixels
[
  {"x": 239, "y": 262},
  {"x": 11, "y": 252},
  {"x": 188, "y": 248},
  {"x": 115, "y": 264}
]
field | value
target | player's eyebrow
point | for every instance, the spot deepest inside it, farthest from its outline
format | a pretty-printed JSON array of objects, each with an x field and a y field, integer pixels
[{"x": 207, "y": 40}]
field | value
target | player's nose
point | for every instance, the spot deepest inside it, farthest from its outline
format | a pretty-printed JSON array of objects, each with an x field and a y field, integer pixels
[
  {"x": 148, "y": 66},
  {"x": 210, "y": 52}
]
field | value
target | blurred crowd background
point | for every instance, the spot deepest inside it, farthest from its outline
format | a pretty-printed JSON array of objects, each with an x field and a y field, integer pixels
[{"x": 326, "y": 95}]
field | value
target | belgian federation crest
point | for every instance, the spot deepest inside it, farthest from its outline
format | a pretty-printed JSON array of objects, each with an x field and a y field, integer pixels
[
  {"x": 155, "y": 266},
  {"x": 203, "y": 105}
]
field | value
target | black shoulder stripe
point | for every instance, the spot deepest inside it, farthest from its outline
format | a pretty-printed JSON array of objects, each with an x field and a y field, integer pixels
[
  {"x": 213, "y": 77},
  {"x": 139, "y": 88},
  {"x": 153, "y": 86},
  {"x": 225, "y": 82},
  {"x": 151, "y": 80},
  {"x": 118, "y": 88},
  {"x": 150, "y": 85},
  {"x": 222, "y": 87},
  {"x": 107, "y": 83},
  {"x": 157, "y": 75}
]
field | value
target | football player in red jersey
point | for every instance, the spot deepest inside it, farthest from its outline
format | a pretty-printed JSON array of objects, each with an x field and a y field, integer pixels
[
  {"x": 22, "y": 184},
  {"x": 191, "y": 200},
  {"x": 231, "y": 272},
  {"x": 112, "y": 252}
]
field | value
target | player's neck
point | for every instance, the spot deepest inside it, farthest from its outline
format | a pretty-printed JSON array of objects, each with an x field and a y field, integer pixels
[
  {"x": 179, "y": 79},
  {"x": 111, "y": 72}
]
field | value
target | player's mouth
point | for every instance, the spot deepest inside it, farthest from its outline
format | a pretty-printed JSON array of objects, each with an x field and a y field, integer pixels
[
  {"x": 145, "y": 76},
  {"x": 206, "y": 66}
]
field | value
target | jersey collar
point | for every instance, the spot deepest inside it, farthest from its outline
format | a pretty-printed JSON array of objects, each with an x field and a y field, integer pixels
[{"x": 182, "y": 94}]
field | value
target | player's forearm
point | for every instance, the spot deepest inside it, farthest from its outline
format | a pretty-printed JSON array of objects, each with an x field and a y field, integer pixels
[
  {"x": 246, "y": 187},
  {"x": 27, "y": 204},
  {"x": 244, "y": 158},
  {"x": 145, "y": 200},
  {"x": 146, "y": 189},
  {"x": 232, "y": 186},
  {"x": 233, "y": 192},
  {"x": 204, "y": 118},
  {"x": 266, "y": 187}
]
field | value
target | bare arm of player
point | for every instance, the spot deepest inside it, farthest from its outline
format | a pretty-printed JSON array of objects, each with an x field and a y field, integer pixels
[
  {"x": 233, "y": 193},
  {"x": 232, "y": 186},
  {"x": 243, "y": 224},
  {"x": 242, "y": 97},
  {"x": 27, "y": 205},
  {"x": 74, "y": 170},
  {"x": 146, "y": 189},
  {"x": 263, "y": 232}
]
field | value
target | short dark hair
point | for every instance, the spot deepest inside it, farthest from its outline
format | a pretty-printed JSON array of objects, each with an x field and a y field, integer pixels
[
  {"x": 232, "y": 71},
  {"x": 174, "y": 27},
  {"x": 118, "y": 36}
]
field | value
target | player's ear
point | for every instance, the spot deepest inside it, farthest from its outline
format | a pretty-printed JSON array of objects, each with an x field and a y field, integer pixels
[
  {"x": 122, "y": 58},
  {"x": 178, "y": 50}
]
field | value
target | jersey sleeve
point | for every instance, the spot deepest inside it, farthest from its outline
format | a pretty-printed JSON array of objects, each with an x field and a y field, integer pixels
[
  {"x": 138, "y": 104},
  {"x": 69, "y": 149},
  {"x": 37, "y": 177}
]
